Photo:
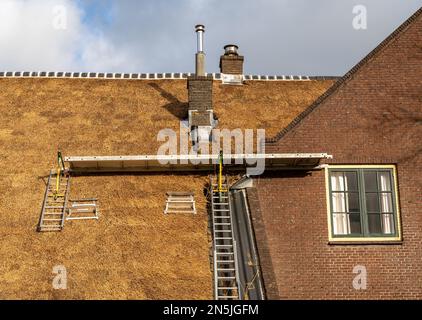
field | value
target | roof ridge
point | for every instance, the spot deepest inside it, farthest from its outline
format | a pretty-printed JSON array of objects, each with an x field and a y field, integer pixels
[
  {"x": 150, "y": 76},
  {"x": 343, "y": 79}
]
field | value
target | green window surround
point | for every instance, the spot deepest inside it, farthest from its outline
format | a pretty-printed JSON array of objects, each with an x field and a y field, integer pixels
[{"x": 363, "y": 202}]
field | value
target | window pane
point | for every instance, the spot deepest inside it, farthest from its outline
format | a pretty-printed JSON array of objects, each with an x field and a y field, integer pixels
[
  {"x": 384, "y": 181},
  {"x": 372, "y": 204},
  {"x": 362, "y": 202},
  {"x": 351, "y": 181},
  {"x": 370, "y": 178},
  {"x": 374, "y": 223},
  {"x": 386, "y": 202},
  {"x": 338, "y": 202},
  {"x": 355, "y": 226},
  {"x": 388, "y": 224},
  {"x": 352, "y": 202},
  {"x": 341, "y": 224},
  {"x": 337, "y": 181}
]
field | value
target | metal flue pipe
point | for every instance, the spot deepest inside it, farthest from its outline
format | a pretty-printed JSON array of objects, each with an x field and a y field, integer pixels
[
  {"x": 200, "y": 29},
  {"x": 200, "y": 55}
]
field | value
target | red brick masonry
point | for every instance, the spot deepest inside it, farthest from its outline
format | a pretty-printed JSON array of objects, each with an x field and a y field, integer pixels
[
  {"x": 231, "y": 64},
  {"x": 373, "y": 115}
]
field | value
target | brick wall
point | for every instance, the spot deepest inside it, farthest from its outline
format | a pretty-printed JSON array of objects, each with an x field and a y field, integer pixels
[
  {"x": 231, "y": 64},
  {"x": 200, "y": 92},
  {"x": 374, "y": 117}
]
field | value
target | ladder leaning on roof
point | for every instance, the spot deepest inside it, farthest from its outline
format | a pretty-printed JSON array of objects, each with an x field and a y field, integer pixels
[
  {"x": 226, "y": 275},
  {"x": 55, "y": 198},
  {"x": 55, "y": 202}
]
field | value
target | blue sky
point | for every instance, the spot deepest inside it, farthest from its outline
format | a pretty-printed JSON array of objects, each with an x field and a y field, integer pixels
[
  {"x": 304, "y": 37},
  {"x": 97, "y": 13}
]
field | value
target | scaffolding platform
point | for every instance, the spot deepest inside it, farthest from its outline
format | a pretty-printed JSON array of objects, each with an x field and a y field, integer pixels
[{"x": 193, "y": 162}]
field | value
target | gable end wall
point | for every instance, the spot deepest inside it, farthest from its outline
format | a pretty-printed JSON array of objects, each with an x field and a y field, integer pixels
[{"x": 375, "y": 117}]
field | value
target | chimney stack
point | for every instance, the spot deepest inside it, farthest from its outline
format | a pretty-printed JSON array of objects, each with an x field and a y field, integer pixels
[
  {"x": 201, "y": 116},
  {"x": 231, "y": 63},
  {"x": 200, "y": 55}
]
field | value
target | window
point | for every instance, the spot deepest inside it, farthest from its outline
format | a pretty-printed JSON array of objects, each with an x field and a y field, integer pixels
[{"x": 362, "y": 202}]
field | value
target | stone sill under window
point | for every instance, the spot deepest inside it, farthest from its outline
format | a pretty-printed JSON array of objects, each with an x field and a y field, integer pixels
[{"x": 365, "y": 242}]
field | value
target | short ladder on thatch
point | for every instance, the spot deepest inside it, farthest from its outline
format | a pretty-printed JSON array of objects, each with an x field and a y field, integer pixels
[
  {"x": 55, "y": 201},
  {"x": 180, "y": 202},
  {"x": 83, "y": 209}
]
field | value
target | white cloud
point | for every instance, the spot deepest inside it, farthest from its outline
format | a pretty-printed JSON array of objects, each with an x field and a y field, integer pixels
[
  {"x": 99, "y": 54},
  {"x": 35, "y": 36}
]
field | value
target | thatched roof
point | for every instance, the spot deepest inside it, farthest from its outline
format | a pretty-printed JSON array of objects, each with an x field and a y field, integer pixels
[{"x": 133, "y": 251}]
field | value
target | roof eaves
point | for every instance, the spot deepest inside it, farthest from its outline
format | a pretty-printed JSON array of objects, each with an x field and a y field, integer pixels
[{"x": 343, "y": 79}]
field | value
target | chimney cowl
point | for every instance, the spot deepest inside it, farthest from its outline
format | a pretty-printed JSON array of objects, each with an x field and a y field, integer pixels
[
  {"x": 200, "y": 27},
  {"x": 230, "y": 50}
]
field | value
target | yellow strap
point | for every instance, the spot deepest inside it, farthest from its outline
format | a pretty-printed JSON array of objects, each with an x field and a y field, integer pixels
[
  {"x": 220, "y": 176},
  {"x": 58, "y": 180}
]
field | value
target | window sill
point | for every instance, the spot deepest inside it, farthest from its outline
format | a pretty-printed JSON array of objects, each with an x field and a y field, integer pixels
[{"x": 362, "y": 241}]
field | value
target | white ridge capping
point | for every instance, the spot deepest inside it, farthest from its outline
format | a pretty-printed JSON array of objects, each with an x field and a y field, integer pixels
[{"x": 165, "y": 75}]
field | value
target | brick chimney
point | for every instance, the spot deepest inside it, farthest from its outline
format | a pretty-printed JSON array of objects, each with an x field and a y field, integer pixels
[
  {"x": 201, "y": 118},
  {"x": 231, "y": 62}
]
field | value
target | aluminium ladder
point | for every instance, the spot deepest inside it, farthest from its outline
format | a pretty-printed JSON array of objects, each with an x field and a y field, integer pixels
[
  {"x": 55, "y": 202},
  {"x": 226, "y": 275}
]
